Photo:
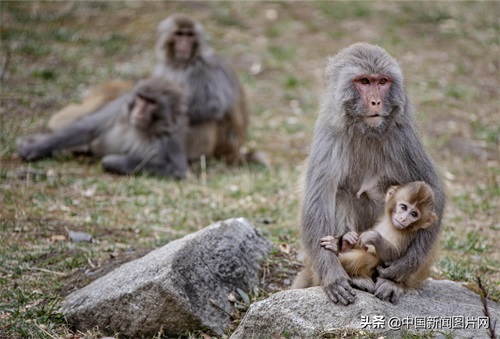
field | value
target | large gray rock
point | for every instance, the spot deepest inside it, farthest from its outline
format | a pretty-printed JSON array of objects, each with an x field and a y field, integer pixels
[
  {"x": 175, "y": 287},
  {"x": 308, "y": 313}
]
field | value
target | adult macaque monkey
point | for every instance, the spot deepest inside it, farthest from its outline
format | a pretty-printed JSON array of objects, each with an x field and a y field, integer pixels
[
  {"x": 216, "y": 103},
  {"x": 408, "y": 208},
  {"x": 142, "y": 131},
  {"x": 365, "y": 139},
  {"x": 216, "y": 107}
]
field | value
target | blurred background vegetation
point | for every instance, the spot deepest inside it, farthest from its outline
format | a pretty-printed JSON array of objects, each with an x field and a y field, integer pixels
[{"x": 52, "y": 52}]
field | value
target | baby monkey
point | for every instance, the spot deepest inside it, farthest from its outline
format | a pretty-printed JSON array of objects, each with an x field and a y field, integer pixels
[{"x": 408, "y": 208}]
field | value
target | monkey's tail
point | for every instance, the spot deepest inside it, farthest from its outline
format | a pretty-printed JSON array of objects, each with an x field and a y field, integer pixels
[{"x": 359, "y": 263}]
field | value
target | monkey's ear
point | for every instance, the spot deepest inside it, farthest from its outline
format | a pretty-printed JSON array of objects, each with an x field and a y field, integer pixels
[
  {"x": 432, "y": 218},
  {"x": 390, "y": 192}
]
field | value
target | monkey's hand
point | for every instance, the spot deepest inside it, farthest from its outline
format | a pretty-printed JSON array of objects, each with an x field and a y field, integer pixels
[
  {"x": 388, "y": 290},
  {"x": 337, "y": 285},
  {"x": 330, "y": 243},
  {"x": 349, "y": 240},
  {"x": 369, "y": 238},
  {"x": 29, "y": 148}
]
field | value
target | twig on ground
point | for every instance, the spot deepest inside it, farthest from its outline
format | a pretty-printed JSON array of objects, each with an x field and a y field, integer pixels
[
  {"x": 486, "y": 311},
  {"x": 48, "y": 271}
]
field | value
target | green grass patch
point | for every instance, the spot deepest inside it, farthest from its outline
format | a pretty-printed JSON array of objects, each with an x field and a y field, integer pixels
[
  {"x": 473, "y": 243},
  {"x": 340, "y": 10}
]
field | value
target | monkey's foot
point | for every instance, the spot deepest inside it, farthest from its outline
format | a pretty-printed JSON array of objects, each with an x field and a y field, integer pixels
[
  {"x": 388, "y": 290},
  {"x": 364, "y": 284}
]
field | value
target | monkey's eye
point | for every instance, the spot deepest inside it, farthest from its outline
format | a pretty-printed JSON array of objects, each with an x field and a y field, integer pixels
[
  {"x": 181, "y": 33},
  {"x": 382, "y": 81},
  {"x": 403, "y": 207},
  {"x": 146, "y": 99},
  {"x": 365, "y": 81},
  {"x": 414, "y": 214}
]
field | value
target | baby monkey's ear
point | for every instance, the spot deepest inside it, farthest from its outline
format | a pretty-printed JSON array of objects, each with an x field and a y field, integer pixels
[
  {"x": 390, "y": 192},
  {"x": 432, "y": 218}
]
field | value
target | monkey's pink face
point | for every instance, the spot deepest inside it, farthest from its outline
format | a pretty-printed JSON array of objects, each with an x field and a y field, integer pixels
[
  {"x": 142, "y": 112},
  {"x": 373, "y": 89},
  {"x": 184, "y": 44},
  {"x": 405, "y": 214}
]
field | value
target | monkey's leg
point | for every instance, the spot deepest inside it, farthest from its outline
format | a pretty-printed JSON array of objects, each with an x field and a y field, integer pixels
[{"x": 302, "y": 280}]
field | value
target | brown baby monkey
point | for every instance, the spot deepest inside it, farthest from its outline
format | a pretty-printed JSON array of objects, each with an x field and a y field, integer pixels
[{"x": 408, "y": 209}]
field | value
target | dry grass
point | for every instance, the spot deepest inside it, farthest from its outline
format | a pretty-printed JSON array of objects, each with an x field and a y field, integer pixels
[{"x": 52, "y": 52}]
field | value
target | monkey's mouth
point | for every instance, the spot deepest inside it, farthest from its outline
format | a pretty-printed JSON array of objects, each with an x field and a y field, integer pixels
[
  {"x": 373, "y": 119},
  {"x": 397, "y": 223}
]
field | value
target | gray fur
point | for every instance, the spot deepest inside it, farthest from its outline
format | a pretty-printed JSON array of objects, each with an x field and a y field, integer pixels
[
  {"x": 126, "y": 149},
  {"x": 345, "y": 151},
  {"x": 212, "y": 92}
]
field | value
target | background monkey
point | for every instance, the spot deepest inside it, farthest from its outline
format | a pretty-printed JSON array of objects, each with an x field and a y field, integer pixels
[
  {"x": 408, "y": 209},
  {"x": 365, "y": 134},
  {"x": 216, "y": 106},
  {"x": 142, "y": 131},
  {"x": 217, "y": 110}
]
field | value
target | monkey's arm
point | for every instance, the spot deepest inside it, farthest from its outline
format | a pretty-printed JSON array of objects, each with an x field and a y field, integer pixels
[
  {"x": 212, "y": 94},
  {"x": 385, "y": 250},
  {"x": 176, "y": 158},
  {"x": 418, "y": 166},
  {"x": 318, "y": 219},
  {"x": 79, "y": 133},
  {"x": 416, "y": 255},
  {"x": 166, "y": 158}
]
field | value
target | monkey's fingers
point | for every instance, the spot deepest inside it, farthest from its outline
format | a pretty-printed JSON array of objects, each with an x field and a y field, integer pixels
[
  {"x": 328, "y": 238},
  {"x": 341, "y": 291},
  {"x": 332, "y": 296},
  {"x": 331, "y": 247},
  {"x": 351, "y": 237},
  {"x": 325, "y": 241}
]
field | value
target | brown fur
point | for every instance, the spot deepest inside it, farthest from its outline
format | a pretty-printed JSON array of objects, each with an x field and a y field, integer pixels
[
  {"x": 363, "y": 263},
  {"x": 359, "y": 263}
]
